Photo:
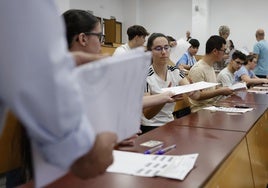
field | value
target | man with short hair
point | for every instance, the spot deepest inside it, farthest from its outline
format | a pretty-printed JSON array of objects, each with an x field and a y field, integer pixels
[
  {"x": 226, "y": 76},
  {"x": 260, "y": 50},
  {"x": 203, "y": 71},
  {"x": 136, "y": 38}
]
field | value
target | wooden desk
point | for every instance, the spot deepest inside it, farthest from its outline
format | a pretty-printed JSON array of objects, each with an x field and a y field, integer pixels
[
  {"x": 213, "y": 147},
  {"x": 222, "y": 120},
  {"x": 243, "y": 97}
]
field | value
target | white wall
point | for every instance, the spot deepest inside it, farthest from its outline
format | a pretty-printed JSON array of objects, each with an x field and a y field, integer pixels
[
  {"x": 174, "y": 17},
  {"x": 243, "y": 17}
]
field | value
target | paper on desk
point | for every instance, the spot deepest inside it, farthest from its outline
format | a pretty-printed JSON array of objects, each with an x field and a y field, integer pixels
[
  {"x": 190, "y": 87},
  {"x": 228, "y": 109},
  {"x": 169, "y": 166},
  {"x": 257, "y": 91},
  {"x": 113, "y": 89},
  {"x": 178, "y": 50}
]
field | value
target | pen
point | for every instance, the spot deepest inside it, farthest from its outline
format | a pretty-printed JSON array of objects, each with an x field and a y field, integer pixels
[
  {"x": 162, "y": 151},
  {"x": 240, "y": 106},
  {"x": 149, "y": 151}
]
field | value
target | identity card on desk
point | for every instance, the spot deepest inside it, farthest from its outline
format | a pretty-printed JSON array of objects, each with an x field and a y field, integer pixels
[{"x": 168, "y": 166}]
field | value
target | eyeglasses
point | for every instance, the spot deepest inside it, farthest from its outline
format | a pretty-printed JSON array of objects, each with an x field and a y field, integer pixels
[
  {"x": 99, "y": 35},
  {"x": 160, "y": 48},
  {"x": 224, "y": 50},
  {"x": 239, "y": 63}
]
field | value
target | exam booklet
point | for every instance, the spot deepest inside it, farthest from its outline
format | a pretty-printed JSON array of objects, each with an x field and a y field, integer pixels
[
  {"x": 238, "y": 86},
  {"x": 190, "y": 87},
  {"x": 168, "y": 166}
]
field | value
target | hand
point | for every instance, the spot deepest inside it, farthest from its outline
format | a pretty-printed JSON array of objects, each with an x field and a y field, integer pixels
[
  {"x": 83, "y": 57},
  {"x": 225, "y": 91},
  {"x": 96, "y": 161},
  {"x": 129, "y": 141}
]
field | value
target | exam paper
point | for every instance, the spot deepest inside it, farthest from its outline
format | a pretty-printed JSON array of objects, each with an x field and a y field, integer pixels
[
  {"x": 228, "y": 109},
  {"x": 113, "y": 89},
  {"x": 190, "y": 87},
  {"x": 169, "y": 166},
  {"x": 238, "y": 86}
]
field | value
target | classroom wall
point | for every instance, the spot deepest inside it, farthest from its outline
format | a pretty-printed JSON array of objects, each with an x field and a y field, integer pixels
[{"x": 174, "y": 17}]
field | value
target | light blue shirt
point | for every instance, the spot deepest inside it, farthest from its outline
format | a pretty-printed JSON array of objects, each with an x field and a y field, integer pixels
[
  {"x": 186, "y": 59},
  {"x": 36, "y": 81},
  {"x": 243, "y": 71},
  {"x": 261, "y": 48}
]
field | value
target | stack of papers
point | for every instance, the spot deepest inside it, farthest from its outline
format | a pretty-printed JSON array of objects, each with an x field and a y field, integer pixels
[
  {"x": 228, "y": 109},
  {"x": 168, "y": 166},
  {"x": 190, "y": 87},
  {"x": 238, "y": 86}
]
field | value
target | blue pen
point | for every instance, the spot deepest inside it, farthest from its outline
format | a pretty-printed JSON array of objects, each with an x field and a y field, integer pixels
[
  {"x": 162, "y": 151},
  {"x": 149, "y": 151}
]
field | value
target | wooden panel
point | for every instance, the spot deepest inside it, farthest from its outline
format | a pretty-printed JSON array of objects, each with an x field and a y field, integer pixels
[
  {"x": 10, "y": 139},
  {"x": 107, "y": 49},
  {"x": 235, "y": 171},
  {"x": 258, "y": 151},
  {"x": 118, "y": 32},
  {"x": 110, "y": 30}
]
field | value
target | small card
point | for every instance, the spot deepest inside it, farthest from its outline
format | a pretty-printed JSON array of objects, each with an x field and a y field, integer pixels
[{"x": 151, "y": 143}]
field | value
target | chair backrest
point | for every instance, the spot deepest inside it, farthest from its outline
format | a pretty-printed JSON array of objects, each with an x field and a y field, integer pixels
[{"x": 10, "y": 146}]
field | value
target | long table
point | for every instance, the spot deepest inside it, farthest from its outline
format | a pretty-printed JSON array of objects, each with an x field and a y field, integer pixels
[{"x": 233, "y": 149}]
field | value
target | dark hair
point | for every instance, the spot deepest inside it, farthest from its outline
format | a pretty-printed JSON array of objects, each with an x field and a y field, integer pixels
[
  {"x": 194, "y": 43},
  {"x": 170, "y": 39},
  {"x": 232, "y": 44},
  {"x": 249, "y": 58},
  {"x": 78, "y": 21},
  {"x": 136, "y": 30},
  {"x": 238, "y": 54},
  {"x": 214, "y": 42},
  {"x": 152, "y": 38}
]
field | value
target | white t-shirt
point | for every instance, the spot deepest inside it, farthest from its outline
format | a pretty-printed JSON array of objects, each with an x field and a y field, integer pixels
[
  {"x": 122, "y": 49},
  {"x": 225, "y": 77},
  {"x": 153, "y": 86}
]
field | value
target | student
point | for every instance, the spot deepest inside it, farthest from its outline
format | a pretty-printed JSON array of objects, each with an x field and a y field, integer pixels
[
  {"x": 37, "y": 85},
  {"x": 226, "y": 76},
  {"x": 136, "y": 38},
  {"x": 246, "y": 74},
  {"x": 160, "y": 75},
  {"x": 260, "y": 49},
  {"x": 203, "y": 71},
  {"x": 188, "y": 60},
  {"x": 188, "y": 35}
]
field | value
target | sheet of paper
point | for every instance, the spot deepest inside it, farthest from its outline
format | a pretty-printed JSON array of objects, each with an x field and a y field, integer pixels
[
  {"x": 112, "y": 89},
  {"x": 178, "y": 50},
  {"x": 238, "y": 86},
  {"x": 190, "y": 87},
  {"x": 228, "y": 109},
  {"x": 169, "y": 166},
  {"x": 257, "y": 91}
]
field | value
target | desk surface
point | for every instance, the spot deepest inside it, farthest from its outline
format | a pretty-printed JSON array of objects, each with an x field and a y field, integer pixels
[
  {"x": 213, "y": 147},
  {"x": 243, "y": 97},
  {"x": 222, "y": 120}
]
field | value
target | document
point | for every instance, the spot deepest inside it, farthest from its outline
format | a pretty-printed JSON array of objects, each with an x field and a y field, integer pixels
[
  {"x": 238, "y": 86},
  {"x": 168, "y": 166},
  {"x": 113, "y": 89},
  {"x": 229, "y": 109},
  {"x": 190, "y": 87}
]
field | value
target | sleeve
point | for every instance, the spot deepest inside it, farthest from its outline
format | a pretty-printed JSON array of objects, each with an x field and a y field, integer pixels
[
  {"x": 223, "y": 79},
  {"x": 256, "y": 49},
  {"x": 196, "y": 74},
  {"x": 240, "y": 72},
  {"x": 182, "y": 60},
  {"x": 36, "y": 81}
]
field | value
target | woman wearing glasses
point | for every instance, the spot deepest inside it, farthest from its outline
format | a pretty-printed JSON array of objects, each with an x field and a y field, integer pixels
[
  {"x": 83, "y": 31},
  {"x": 161, "y": 75}
]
